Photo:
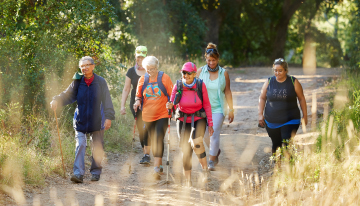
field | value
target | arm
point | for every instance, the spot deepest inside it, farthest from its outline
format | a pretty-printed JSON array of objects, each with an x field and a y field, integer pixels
[
  {"x": 228, "y": 96},
  {"x": 108, "y": 106},
  {"x": 169, "y": 105},
  {"x": 125, "y": 94},
  {"x": 301, "y": 98},
  {"x": 207, "y": 105},
  {"x": 138, "y": 96},
  {"x": 66, "y": 97},
  {"x": 262, "y": 101}
]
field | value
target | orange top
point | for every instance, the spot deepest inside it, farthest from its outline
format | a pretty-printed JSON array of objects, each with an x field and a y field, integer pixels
[{"x": 154, "y": 106}]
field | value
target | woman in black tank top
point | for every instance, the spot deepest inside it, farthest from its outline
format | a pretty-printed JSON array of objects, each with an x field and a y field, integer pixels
[
  {"x": 278, "y": 98},
  {"x": 131, "y": 79}
]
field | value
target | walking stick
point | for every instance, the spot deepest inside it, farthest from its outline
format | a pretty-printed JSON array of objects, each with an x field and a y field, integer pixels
[
  {"x": 132, "y": 143},
  {"x": 62, "y": 157},
  {"x": 168, "y": 149}
]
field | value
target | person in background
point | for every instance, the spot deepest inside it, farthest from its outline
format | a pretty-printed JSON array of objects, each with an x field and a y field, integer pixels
[
  {"x": 132, "y": 77},
  {"x": 217, "y": 82},
  {"x": 93, "y": 115},
  {"x": 151, "y": 96},
  {"x": 192, "y": 101},
  {"x": 278, "y": 97}
]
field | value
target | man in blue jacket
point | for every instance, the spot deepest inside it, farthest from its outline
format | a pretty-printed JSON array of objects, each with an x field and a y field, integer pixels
[{"x": 93, "y": 115}]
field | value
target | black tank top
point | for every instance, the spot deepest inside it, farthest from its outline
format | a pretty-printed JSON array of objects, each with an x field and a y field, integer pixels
[
  {"x": 281, "y": 101},
  {"x": 131, "y": 73}
]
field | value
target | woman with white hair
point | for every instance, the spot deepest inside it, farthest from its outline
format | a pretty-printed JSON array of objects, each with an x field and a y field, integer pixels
[{"x": 152, "y": 94}]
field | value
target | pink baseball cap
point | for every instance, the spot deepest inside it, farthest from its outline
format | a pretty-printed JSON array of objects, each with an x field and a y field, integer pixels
[{"x": 189, "y": 67}]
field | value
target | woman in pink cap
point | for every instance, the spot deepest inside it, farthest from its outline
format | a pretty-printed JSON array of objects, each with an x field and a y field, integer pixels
[{"x": 190, "y": 97}]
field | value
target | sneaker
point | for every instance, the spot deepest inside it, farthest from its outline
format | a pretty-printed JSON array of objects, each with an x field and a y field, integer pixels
[
  {"x": 156, "y": 173},
  {"x": 77, "y": 178},
  {"x": 206, "y": 175},
  {"x": 211, "y": 165},
  {"x": 95, "y": 177},
  {"x": 216, "y": 161},
  {"x": 145, "y": 160}
]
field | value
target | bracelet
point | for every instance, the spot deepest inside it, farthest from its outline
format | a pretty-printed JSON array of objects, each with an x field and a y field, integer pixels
[
  {"x": 231, "y": 110},
  {"x": 137, "y": 100}
]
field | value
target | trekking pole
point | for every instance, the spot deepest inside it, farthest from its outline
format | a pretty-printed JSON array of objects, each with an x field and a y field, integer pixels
[
  {"x": 62, "y": 157},
  {"x": 168, "y": 149},
  {"x": 132, "y": 143}
]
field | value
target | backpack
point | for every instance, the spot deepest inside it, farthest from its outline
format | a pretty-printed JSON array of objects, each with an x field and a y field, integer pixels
[
  {"x": 160, "y": 85},
  {"x": 179, "y": 85}
]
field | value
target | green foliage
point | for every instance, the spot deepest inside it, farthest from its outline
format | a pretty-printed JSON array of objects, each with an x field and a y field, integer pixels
[{"x": 353, "y": 43}]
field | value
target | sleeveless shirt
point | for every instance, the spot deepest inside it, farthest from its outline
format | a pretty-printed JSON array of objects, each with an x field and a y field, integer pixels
[{"x": 281, "y": 101}]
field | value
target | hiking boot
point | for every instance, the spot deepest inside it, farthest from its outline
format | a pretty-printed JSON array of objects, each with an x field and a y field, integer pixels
[
  {"x": 216, "y": 161},
  {"x": 95, "y": 177},
  {"x": 161, "y": 169},
  {"x": 211, "y": 165},
  {"x": 145, "y": 160},
  {"x": 77, "y": 178}
]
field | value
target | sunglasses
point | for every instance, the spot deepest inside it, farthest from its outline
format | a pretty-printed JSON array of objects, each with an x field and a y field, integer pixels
[
  {"x": 187, "y": 73},
  {"x": 279, "y": 60},
  {"x": 211, "y": 50},
  {"x": 139, "y": 52}
]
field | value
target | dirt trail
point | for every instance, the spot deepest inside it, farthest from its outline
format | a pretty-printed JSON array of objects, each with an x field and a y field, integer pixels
[{"x": 244, "y": 149}]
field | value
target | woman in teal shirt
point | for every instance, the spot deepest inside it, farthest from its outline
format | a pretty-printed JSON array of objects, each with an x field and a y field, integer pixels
[{"x": 217, "y": 82}]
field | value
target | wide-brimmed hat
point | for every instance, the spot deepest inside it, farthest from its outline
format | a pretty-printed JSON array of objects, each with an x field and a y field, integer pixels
[
  {"x": 189, "y": 67},
  {"x": 141, "y": 51}
]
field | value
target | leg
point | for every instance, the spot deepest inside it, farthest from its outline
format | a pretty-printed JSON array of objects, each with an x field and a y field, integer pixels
[
  {"x": 160, "y": 127},
  {"x": 144, "y": 140},
  {"x": 218, "y": 119},
  {"x": 200, "y": 127},
  {"x": 288, "y": 131},
  {"x": 79, "y": 163},
  {"x": 97, "y": 149},
  {"x": 275, "y": 135},
  {"x": 185, "y": 147}
]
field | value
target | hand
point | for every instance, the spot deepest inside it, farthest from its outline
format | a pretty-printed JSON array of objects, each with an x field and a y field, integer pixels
[
  {"x": 137, "y": 105},
  {"x": 107, "y": 124},
  {"x": 211, "y": 131},
  {"x": 122, "y": 110},
  {"x": 305, "y": 120},
  {"x": 169, "y": 105},
  {"x": 231, "y": 116},
  {"x": 53, "y": 105},
  {"x": 261, "y": 120}
]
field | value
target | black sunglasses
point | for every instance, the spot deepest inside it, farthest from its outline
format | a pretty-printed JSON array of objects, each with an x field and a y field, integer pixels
[
  {"x": 279, "y": 60},
  {"x": 211, "y": 50},
  {"x": 188, "y": 73}
]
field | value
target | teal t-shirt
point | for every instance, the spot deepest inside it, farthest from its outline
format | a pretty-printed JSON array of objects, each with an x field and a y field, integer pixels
[{"x": 212, "y": 88}]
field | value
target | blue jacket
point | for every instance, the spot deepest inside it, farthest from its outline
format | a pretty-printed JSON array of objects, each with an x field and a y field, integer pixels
[{"x": 94, "y": 104}]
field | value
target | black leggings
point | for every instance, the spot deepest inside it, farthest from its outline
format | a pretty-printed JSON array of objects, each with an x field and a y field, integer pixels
[
  {"x": 200, "y": 126},
  {"x": 157, "y": 130},
  {"x": 143, "y": 134},
  {"x": 280, "y": 134}
]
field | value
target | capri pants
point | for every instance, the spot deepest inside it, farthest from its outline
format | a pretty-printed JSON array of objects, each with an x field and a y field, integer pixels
[
  {"x": 200, "y": 126},
  {"x": 157, "y": 130}
]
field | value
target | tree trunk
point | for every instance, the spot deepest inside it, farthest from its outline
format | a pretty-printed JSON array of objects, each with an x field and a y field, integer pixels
[
  {"x": 288, "y": 10},
  {"x": 213, "y": 21}
]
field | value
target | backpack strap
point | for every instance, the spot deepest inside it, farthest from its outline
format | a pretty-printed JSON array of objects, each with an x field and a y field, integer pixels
[
  {"x": 292, "y": 80},
  {"x": 146, "y": 82},
  {"x": 199, "y": 83},
  {"x": 161, "y": 85}
]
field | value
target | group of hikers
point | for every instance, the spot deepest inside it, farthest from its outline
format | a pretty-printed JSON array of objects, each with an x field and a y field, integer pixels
[{"x": 200, "y": 101}]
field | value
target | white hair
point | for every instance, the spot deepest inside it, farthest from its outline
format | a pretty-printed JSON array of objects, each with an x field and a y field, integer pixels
[
  {"x": 150, "y": 61},
  {"x": 85, "y": 58}
]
